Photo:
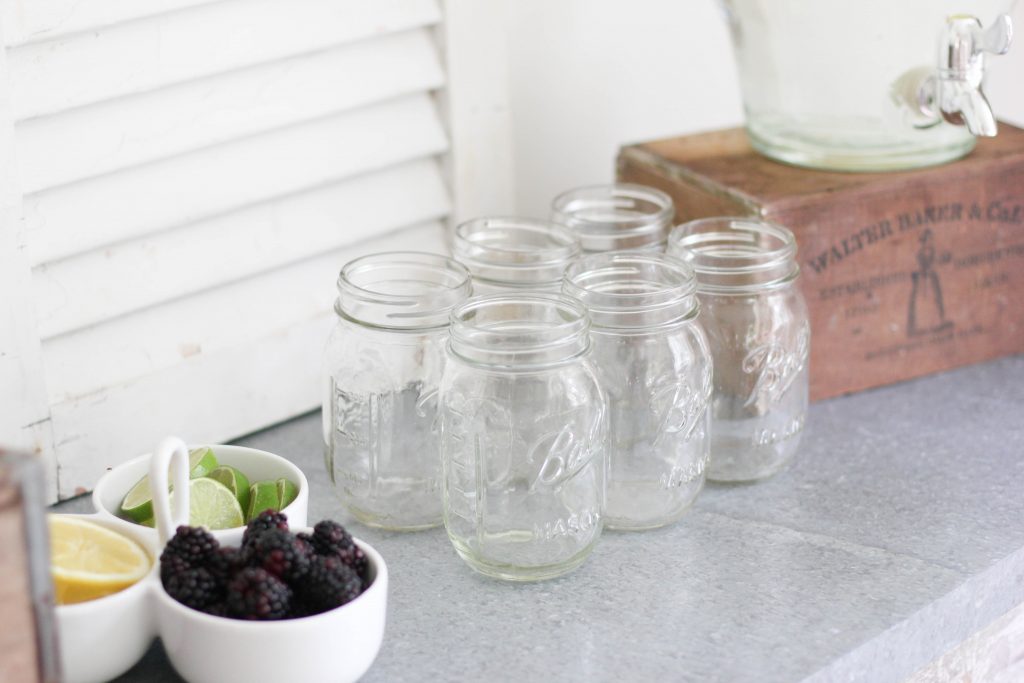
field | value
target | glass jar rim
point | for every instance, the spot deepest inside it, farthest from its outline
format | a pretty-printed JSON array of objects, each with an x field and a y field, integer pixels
[
  {"x": 615, "y": 212},
  {"x": 633, "y": 289},
  {"x": 402, "y": 290},
  {"x": 506, "y": 249},
  {"x": 510, "y": 340},
  {"x": 736, "y": 252}
]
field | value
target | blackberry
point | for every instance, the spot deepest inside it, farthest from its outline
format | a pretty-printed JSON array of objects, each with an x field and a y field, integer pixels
[
  {"x": 256, "y": 594},
  {"x": 226, "y": 562},
  {"x": 190, "y": 548},
  {"x": 195, "y": 587},
  {"x": 171, "y": 565},
  {"x": 331, "y": 538},
  {"x": 307, "y": 541},
  {"x": 329, "y": 534},
  {"x": 329, "y": 583},
  {"x": 280, "y": 553},
  {"x": 265, "y": 521}
]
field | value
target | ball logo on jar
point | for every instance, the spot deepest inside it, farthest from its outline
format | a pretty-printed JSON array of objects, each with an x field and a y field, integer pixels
[
  {"x": 775, "y": 368},
  {"x": 565, "y": 452},
  {"x": 481, "y": 429},
  {"x": 679, "y": 407}
]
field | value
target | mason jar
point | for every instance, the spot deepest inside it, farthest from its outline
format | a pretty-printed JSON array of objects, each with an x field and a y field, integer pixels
[
  {"x": 616, "y": 217},
  {"x": 523, "y": 433},
  {"x": 382, "y": 369},
  {"x": 653, "y": 361},
  {"x": 756, "y": 321},
  {"x": 515, "y": 254}
]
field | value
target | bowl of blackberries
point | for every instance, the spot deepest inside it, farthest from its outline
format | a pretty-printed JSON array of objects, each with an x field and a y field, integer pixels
[{"x": 305, "y": 604}]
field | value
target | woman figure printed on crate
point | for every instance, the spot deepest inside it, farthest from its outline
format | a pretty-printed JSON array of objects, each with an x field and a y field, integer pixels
[{"x": 927, "y": 312}]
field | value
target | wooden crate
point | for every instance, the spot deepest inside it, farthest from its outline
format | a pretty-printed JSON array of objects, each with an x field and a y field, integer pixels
[{"x": 905, "y": 274}]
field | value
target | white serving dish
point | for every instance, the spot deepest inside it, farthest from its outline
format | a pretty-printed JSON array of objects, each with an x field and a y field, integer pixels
[
  {"x": 337, "y": 646},
  {"x": 101, "y": 639},
  {"x": 255, "y": 464}
]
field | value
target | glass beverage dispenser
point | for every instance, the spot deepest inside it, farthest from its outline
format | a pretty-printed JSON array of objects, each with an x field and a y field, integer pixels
[{"x": 870, "y": 85}]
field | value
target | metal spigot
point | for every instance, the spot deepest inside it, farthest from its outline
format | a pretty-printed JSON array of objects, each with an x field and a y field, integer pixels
[{"x": 954, "y": 91}]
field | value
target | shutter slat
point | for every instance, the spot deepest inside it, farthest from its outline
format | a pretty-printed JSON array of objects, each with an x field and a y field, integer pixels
[
  {"x": 53, "y": 150},
  {"x": 126, "y": 348},
  {"x": 27, "y": 21},
  {"x": 87, "y": 215},
  {"x": 140, "y": 56},
  {"x": 97, "y": 286},
  {"x": 216, "y": 396}
]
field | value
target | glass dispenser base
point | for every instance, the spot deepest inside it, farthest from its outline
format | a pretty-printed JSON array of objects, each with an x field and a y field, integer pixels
[{"x": 814, "y": 150}]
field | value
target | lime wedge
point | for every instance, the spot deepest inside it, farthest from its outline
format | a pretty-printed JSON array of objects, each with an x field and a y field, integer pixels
[
  {"x": 234, "y": 480},
  {"x": 262, "y": 496},
  {"x": 201, "y": 461},
  {"x": 138, "y": 503},
  {"x": 287, "y": 492},
  {"x": 212, "y": 505}
]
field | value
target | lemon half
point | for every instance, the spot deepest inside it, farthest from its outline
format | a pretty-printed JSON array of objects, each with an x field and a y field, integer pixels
[{"x": 90, "y": 561}]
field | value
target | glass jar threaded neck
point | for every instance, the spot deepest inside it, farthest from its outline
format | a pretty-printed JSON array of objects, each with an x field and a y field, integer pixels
[
  {"x": 402, "y": 290},
  {"x": 516, "y": 332},
  {"x": 633, "y": 290},
  {"x": 615, "y": 217},
  {"x": 516, "y": 252},
  {"x": 736, "y": 254}
]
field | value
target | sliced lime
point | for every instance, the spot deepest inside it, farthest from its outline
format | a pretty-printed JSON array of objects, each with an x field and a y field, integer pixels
[
  {"x": 262, "y": 496},
  {"x": 234, "y": 480},
  {"x": 205, "y": 463},
  {"x": 213, "y": 505},
  {"x": 287, "y": 492},
  {"x": 138, "y": 503}
]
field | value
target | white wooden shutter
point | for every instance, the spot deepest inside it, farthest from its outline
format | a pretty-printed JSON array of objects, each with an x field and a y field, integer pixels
[{"x": 189, "y": 177}]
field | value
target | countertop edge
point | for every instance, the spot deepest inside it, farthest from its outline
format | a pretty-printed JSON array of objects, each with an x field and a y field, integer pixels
[{"x": 934, "y": 630}]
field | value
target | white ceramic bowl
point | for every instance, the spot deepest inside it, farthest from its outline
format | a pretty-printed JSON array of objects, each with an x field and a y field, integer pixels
[
  {"x": 337, "y": 646},
  {"x": 255, "y": 464},
  {"x": 101, "y": 639}
]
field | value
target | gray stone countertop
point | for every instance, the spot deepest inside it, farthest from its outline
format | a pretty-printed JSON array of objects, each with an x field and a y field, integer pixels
[{"x": 897, "y": 533}]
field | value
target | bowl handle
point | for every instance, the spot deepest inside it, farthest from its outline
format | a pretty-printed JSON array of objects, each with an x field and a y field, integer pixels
[{"x": 168, "y": 514}]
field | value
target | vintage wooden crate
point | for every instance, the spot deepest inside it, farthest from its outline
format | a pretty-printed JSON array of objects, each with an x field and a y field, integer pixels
[{"x": 905, "y": 273}]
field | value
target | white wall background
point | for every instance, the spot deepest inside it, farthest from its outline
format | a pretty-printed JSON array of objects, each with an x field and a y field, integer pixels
[
  {"x": 587, "y": 76},
  {"x": 1005, "y": 87}
]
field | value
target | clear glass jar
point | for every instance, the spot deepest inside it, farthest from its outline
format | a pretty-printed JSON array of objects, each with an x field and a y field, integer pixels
[
  {"x": 523, "y": 433},
  {"x": 756, "y": 321},
  {"x": 653, "y": 361},
  {"x": 515, "y": 254},
  {"x": 616, "y": 217},
  {"x": 871, "y": 85},
  {"x": 382, "y": 367}
]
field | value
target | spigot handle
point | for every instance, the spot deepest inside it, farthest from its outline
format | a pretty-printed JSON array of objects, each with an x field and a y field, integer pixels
[
  {"x": 996, "y": 38},
  {"x": 954, "y": 93}
]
